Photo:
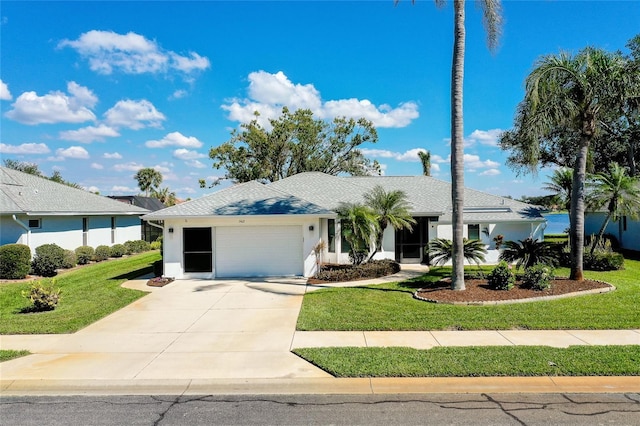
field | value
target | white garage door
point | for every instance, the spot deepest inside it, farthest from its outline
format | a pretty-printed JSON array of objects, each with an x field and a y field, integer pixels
[{"x": 258, "y": 251}]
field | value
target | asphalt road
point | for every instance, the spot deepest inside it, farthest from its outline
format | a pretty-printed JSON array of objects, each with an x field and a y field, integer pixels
[{"x": 426, "y": 409}]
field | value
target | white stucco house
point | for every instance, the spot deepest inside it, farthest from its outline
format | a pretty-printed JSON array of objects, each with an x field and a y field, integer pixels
[
  {"x": 255, "y": 229},
  {"x": 626, "y": 230},
  {"x": 36, "y": 211}
]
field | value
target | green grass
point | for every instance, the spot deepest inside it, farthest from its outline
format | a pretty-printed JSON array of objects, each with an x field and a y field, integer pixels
[
  {"x": 476, "y": 361},
  {"x": 88, "y": 294},
  {"x": 7, "y": 354},
  {"x": 392, "y": 307}
]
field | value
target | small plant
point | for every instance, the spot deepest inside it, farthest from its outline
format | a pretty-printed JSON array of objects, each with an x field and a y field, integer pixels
[
  {"x": 156, "y": 245},
  {"x": 15, "y": 261},
  {"x": 501, "y": 277},
  {"x": 102, "y": 253},
  {"x": 603, "y": 260},
  {"x": 538, "y": 277},
  {"x": 528, "y": 252},
  {"x": 43, "y": 296},
  {"x": 498, "y": 240},
  {"x": 48, "y": 258},
  {"x": 70, "y": 259},
  {"x": 137, "y": 246},
  {"x": 84, "y": 254},
  {"x": 117, "y": 250}
]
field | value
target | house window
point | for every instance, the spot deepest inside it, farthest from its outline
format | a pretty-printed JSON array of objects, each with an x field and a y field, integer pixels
[
  {"x": 34, "y": 223},
  {"x": 113, "y": 230},
  {"x": 331, "y": 235},
  {"x": 473, "y": 231},
  {"x": 85, "y": 231},
  {"x": 345, "y": 247}
]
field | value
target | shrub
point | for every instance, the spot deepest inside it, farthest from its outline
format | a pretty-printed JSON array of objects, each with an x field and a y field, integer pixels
[
  {"x": 529, "y": 252},
  {"x": 602, "y": 260},
  {"x": 70, "y": 259},
  {"x": 84, "y": 254},
  {"x": 48, "y": 258},
  {"x": 102, "y": 253},
  {"x": 137, "y": 246},
  {"x": 371, "y": 269},
  {"x": 501, "y": 277},
  {"x": 117, "y": 250},
  {"x": 43, "y": 296},
  {"x": 156, "y": 245},
  {"x": 15, "y": 261},
  {"x": 538, "y": 277}
]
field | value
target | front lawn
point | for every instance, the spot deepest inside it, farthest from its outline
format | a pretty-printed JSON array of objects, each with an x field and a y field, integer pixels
[
  {"x": 391, "y": 307},
  {"x": 476, "y": 361},
  {"x": 88, "y": 294},
  {"x": 8, "y": 354}
]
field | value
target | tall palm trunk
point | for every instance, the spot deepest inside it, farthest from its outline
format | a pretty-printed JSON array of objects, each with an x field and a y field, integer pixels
[
  {"x": 577, "y": 208},
  {"x": 457, "y": 146}
]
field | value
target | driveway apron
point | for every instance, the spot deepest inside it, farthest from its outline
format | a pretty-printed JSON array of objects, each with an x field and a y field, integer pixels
[{"x": 189, "y": 329}]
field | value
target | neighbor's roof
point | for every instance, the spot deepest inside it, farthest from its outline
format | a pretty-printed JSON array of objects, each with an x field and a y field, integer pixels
[
  {"x": 427, "y": 196},
  {"x": 22, "y": 193},
  {"x": 149, "y": 203},
  {"x": 246, "y": 199}
]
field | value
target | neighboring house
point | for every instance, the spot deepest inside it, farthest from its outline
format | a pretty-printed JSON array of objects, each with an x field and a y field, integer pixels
[
  {"x": 625, "y": 230},
  {"x": 253, "y": 229},
  {"x": 36, "y": 211},
  {"x": 150, "y": 233}
]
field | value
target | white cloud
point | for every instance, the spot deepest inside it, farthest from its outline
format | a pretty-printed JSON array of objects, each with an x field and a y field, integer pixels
[
  {"x": 196, "y": 164},
  {"x": 472, "y": 161},
  {"x": 185, "y": 154},
  {"x": 25, "y": 148},
  {"x": 410, "y": 155},
  {"x": 490, "y": 172},
  {"x": 130, "y": 167},
  {"x": 97, "y": 166},
  {"x": 131, "y": 53},
  {"x": 90, "y": 134},
  {"x": 484, "y": 137},
  {"x": 120, "y": 188},
  {"x": 93, "y": 189},
  {"x": 134, "y": 115},
  {"x": 54, "y": 107},
  {"x": 178, "y": 94},
  {"x": 268, "y": 93},
  {"x": 75, "y": 152},
  {"x": 5, "y": 94},
  {"x": 112, "y": 156},
  {"x": 175, "y": 139}
]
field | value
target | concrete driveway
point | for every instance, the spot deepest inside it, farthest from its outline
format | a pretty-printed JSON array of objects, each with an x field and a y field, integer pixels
[{"x": 189, "y": 329}]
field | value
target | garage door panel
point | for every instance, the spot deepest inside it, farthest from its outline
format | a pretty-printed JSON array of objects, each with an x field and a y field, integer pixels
[{"x": 258, "y": 251}]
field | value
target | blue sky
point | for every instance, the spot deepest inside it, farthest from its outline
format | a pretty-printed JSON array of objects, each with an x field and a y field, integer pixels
[{"x": 98, "y": 90}]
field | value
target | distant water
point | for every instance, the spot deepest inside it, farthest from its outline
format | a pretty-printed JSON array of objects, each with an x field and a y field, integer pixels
[{"x": 557, "y": 223}]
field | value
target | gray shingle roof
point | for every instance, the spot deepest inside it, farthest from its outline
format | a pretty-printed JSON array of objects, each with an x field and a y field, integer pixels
[
  {"x": 250, "y": 198},
  {"x": 320, "y": 194},
  {"x": 28, "y": 194}
]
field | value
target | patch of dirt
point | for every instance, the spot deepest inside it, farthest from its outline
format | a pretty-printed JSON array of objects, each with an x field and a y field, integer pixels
[{"x": 478, "y": 291}]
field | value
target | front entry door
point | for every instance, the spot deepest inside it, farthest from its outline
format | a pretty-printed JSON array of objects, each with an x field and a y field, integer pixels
[
  {"x": 410, "y": 245},
  {"x": 198, "y": 250}
]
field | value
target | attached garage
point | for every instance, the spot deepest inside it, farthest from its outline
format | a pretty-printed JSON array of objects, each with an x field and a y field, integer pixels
[{"x": 258, "y": 251}]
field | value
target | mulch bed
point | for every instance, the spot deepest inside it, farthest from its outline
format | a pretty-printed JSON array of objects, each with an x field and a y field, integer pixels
[
  {"x": 478, "y": 291},
  {"x": 159, "y": 281}
]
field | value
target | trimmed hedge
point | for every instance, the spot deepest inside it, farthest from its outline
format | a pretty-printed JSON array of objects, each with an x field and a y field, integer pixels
[
  {"x": 102, "y": 253},
  {"x": 603, "y": 261},
  {"x": 48, "y": 258},
  {"x": 117, "y": 250},
  {"x": 85, "y": 254},
  {"x": 372, "y": 269},
  {"x": 15, "y": 261}
]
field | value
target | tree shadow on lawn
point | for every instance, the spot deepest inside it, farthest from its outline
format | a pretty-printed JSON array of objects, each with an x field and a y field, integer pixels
[{"x": 133, "y": 274}]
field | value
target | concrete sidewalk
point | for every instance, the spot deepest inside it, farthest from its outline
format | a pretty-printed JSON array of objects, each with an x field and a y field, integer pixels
[{"x": 235, "y": 336}]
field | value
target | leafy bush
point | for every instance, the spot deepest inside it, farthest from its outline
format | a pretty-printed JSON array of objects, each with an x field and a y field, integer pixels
[
  {"x": 102, "y": 253},
  {"x": 70, "y": 259},
  {"x": 117, "y": 250},
  {"x": 84, "y": 254},
  {"x": 43, "y": 296},
  {"x": 371, "y": 269},
  {"x": 15, "y": 261},
  {"x": 156, "y": 245},
  {"x": 501, "y": 277},
  {"x": 602, "y": 260},
  {"x": 48, "y": 258},
  {"x": 137, "y": 246},
  {"x": 538, "y": 277},
  {"x": 529, "y": 252}
]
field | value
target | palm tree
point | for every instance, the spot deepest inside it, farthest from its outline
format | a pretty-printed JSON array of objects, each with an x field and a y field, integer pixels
[
  {"x": 359, "y": 226},
  {"x": 425, "y": 159},
  {"x": 166, "y": 196},
  {"x": 440, "y": 251},
  {"x": 568, "y": 95},
  {"x": 560, "y": 184},
  {"x": 492, "y": 20},
  {"x": 148, "y": 180},
  {"x": 390, "y": 208},
  {"x": 528, "y": 252},
  {"x": 619, "y": 192}
]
